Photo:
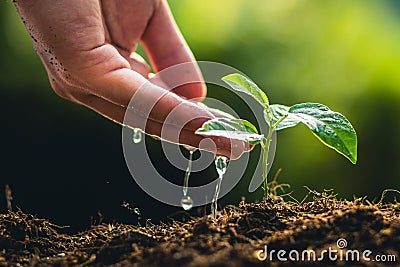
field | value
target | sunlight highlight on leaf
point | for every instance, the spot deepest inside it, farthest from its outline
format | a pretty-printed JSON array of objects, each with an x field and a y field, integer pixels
[
  {"x": 243, "y": 84},
  {"x": 231, "y": 128}
]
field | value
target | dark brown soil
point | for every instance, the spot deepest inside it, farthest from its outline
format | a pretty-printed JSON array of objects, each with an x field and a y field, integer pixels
[{"x": 233, "y": 239}]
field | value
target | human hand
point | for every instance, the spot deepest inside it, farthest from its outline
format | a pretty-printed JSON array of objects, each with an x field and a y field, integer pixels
[{"x": 88, "y": 49}]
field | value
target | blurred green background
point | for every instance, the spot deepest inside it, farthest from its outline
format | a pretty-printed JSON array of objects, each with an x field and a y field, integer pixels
[{"x": 344, "y": 54}]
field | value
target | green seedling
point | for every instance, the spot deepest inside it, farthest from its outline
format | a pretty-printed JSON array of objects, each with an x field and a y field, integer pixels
[{"x": 331, "y": 128}]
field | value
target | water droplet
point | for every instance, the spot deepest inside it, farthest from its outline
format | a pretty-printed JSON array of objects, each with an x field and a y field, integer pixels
[
  {"x": 220, "y": 165},
  {"x": 186, "y": 202},
  {"x": 137, "y": 136},
  {"x": 136, "y": 211},
  {"x": 329, "y": 131},
  {"x": 187, "y": 174}
]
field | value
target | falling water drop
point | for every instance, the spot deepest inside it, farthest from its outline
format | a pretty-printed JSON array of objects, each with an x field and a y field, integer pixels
[
  {"x": 137, "y": 211},
  {"x": 187, "y": 201},
  {"x": 137, "y": 136},
  {"x": 220, "y": 165}
]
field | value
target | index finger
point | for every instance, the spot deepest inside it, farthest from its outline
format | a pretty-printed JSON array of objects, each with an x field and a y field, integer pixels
[{"x": 165, "y": 47}]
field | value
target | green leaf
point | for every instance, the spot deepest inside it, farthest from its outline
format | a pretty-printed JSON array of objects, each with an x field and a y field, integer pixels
[
  {"x": 216, "y": 111},
  {"x": 331, "y": 128},
  {"x": 231, "y": 128},
  {"x": 243, "y": 84},
  {"x": 279, "y": 111}
]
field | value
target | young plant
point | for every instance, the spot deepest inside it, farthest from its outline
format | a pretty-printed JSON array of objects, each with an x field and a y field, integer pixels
[{"x": 331, "y": 128}]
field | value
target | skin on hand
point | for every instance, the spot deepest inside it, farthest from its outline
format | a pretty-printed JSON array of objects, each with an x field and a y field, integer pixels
[{"x": 88, "y": 49}]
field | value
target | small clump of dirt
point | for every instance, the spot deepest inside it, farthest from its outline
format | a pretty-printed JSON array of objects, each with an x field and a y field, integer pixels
[{"x": 309, "y": 233}]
